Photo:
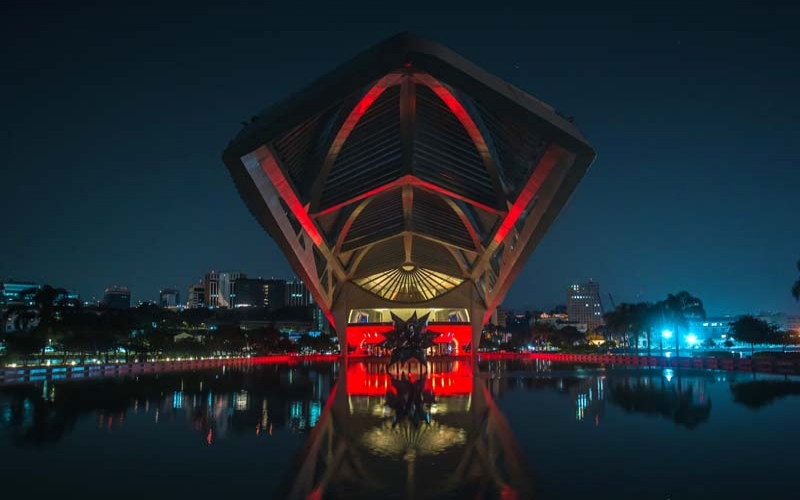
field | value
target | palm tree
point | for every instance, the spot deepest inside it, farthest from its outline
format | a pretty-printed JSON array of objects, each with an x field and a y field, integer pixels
[
  {"x": 627, "y": 320},
  {"x": 648, "y": 315},
  {"x": 796, "y": 287},
  {"x": 678, "y": 308},
  {"x": 615, "y": 322}
]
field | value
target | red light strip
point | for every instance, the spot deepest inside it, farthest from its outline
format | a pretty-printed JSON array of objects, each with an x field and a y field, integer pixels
[
  {"x": 540, "y": 173},
  {"x": 355, "y": 115},
  {"x": 276, "y": 177},
  {"x": 457, "y": 109}
]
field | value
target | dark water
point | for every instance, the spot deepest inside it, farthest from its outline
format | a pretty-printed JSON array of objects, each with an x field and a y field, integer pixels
[{"x": 510, "y": 430}]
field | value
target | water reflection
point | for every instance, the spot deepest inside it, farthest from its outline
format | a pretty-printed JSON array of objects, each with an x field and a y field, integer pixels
[
  {"x": 757, "y": 394},
  {"x": 655, "y": 392},
  {"x": 682, "y": 401},
  {"x": 419, "y": 431},
  {"x": 363, "y": 430},
  {"x": 213, "y": 403}
]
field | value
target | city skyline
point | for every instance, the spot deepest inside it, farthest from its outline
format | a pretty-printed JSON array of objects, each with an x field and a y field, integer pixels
[{"x": 684, "y": 164}]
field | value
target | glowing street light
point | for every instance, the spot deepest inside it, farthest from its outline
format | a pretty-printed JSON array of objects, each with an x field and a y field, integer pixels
[
  {"x": 666, "y": 334},
  {"x": 691, "y": 339}
]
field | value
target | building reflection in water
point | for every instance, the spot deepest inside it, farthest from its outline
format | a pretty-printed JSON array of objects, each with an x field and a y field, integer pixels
[
  {"x": 422, "y": 431},
  {"x": 214, "y": 403},
  {"x": 370, "y": 431},
  {"x": 661, "y": 392}
]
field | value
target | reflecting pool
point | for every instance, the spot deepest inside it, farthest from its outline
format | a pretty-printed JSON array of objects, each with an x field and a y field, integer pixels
[{"x": 448, "y": 429}]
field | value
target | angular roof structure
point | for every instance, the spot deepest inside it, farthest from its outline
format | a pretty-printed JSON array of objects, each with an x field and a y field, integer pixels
[{"x": 408, "y": 172}]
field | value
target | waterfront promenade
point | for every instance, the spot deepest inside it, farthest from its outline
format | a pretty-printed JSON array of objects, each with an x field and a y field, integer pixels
[{"x": 17, "y": 375}]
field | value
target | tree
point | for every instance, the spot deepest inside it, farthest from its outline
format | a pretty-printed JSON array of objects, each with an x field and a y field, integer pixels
[
  {"x": 677, "y": 309},
  {"x": 568, "y": 336},
  {"x": 751, "y": 330},
  {"x": 630, "y": 320},
  {"x": 542, "y": 332},
  {"x": 615, "y": 322},
  {"x": 650, "y": 316},
  {"x": 709, "y": 343},
  {"x": 796, "y": 286}
]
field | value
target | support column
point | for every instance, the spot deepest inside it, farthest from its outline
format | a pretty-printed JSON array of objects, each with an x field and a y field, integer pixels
[
  {"x": 476, "y": 314},
  {"x": 340, "y": 313}
]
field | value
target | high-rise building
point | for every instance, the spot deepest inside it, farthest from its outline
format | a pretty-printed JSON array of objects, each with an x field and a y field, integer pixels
[
  {"x": 297, "y": 294},
  {"x": 258, "y": 292},
  {"x": 248, "y": 292},
  {"x": 117, "y": 297},
  {"x": 169, "y": 297},
  {"x": 219, "y": 286},
  {"x": 274, "y": 294},
  {"x": 584, "y": 305},
  {"x": 227, "y": 283},
  {"x": 211, "y": 287},
  {"x": 197, "y": 296}
]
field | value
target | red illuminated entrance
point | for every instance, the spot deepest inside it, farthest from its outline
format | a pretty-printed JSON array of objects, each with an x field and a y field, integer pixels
[{"x": 364, "y": 339}]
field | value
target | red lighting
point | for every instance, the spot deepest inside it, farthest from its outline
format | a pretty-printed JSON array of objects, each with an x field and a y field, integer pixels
[
  {"x": 445, "y": 378},
  {"x": 361, "y": 336},
  {"x": 540, "y": 173},
  {"x": 457, "y": 109},
  {"x": 357, "y": 112}
]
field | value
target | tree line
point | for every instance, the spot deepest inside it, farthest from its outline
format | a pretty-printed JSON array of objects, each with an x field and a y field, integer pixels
[{"x": 67, "y": 330}]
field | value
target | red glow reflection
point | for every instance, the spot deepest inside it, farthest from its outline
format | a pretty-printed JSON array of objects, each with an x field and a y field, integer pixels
[{"x": 445, "y": 378}]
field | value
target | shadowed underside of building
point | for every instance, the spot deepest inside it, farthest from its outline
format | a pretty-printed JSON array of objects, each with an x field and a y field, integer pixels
[{"x": 408, "y": 179}]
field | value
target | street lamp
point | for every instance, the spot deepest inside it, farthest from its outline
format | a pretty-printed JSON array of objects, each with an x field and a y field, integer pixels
[{"x": 666, "y": 334}]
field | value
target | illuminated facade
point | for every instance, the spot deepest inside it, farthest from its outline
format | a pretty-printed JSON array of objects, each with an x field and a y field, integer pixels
[
  {"x": 408, "y": 178},
  {"x": 18, "y": 293},
  {"x": 584, "y": 306},
  {"x": 219, "y": 287}
]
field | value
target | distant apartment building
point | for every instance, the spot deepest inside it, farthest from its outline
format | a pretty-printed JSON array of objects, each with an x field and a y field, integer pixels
[
  {"x": 258, "y": 292},
  {"x": 778, "y": 319},
  {"x": 116, "y": 297},
  {"x": 499, "y": 317},
  {"x": 169, "y": 297},
  {"x": 297, "y": 294},
  {"x": 219, "y": 287},
  {"x": 196, "y": 298},
  {"x": 519, "y": 324},
  {"x": 715, "y": 328},
  {"x": 17, "y": 293},
  {"x": 584, "y": 306}
]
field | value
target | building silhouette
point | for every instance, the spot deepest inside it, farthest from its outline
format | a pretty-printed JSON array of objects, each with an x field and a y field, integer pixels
[
  {"x": 196, "y": 298},
  {"x": 116, "y": 297},
  {"x": 169, "y": 297},
  {"x": 219, "y": 287},
  {"x": 584, "y": 306}
]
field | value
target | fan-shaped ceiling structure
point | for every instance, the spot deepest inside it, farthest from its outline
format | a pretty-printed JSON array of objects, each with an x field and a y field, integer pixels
[{"x": 409, "y": 173}]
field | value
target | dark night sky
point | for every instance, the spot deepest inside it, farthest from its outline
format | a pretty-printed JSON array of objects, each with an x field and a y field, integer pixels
[{"x": 114, "y": 121}]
